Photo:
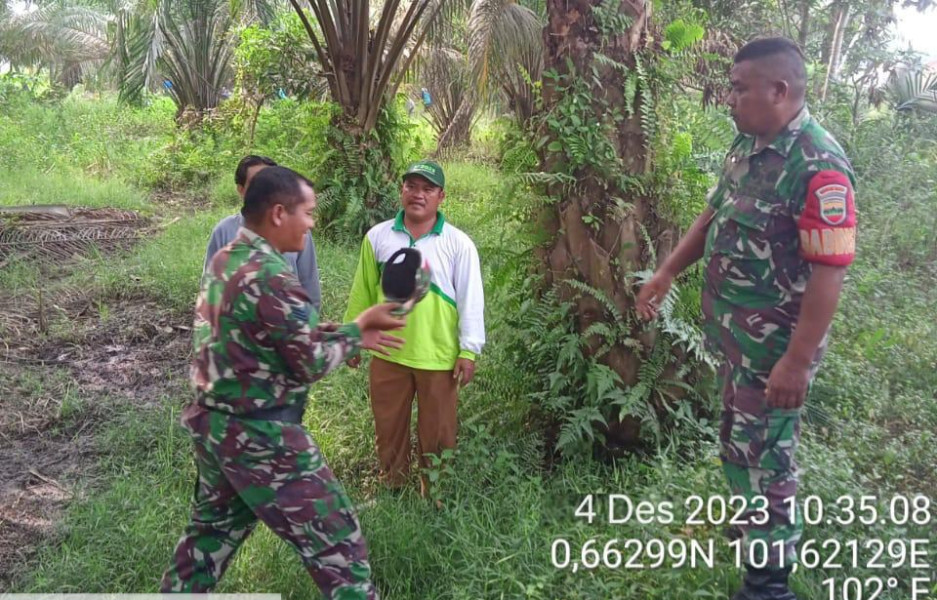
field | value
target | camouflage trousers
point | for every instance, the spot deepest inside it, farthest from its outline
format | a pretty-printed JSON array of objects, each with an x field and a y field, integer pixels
[
  {"x": 757, "y": 453},
  {"x": 250, "y": 470}
]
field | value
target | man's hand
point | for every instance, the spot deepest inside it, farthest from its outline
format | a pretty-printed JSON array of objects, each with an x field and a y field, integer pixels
[
  {"x": 464, "y": 371},
  {"x": 378, "y": 341},
  {"x": 787, "y": 383},
  {"x": 379, "y": 318},
  {"x": 374, "y": 323},
  {"x": 354, "y": 362},
  {"x": 652, "y": 294},
  {"x": 688, "y": 251}
]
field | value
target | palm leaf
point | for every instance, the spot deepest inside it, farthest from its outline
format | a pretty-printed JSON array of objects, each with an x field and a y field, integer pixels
[
  {"x": 913, "y": 90},
  {"x": 139, "y": 43},
  {"x": 445, "y": 73},
  {"x": 186, "y": 41},
  {"x": 255, "y": 11},
  {"x": 365, "y": 64},
  {"x": 198, "y": 51},
  {"x": 55, "y": 34},
  {"x": 506, "y": 45}
]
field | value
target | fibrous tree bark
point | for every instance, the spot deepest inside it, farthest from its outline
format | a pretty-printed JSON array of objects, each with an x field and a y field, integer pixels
[{"x": 602, "y": 225}]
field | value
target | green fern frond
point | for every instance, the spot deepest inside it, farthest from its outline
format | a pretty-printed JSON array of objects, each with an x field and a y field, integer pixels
[
  {"x": 579, "y": 428},
  {"x": 600, "y": 329},
  {"x": 599, "y": 295},
  {"x": 542, "y": 178},
  {"x": 631, "y": 92},
  {"x": 607, "y": 61}
]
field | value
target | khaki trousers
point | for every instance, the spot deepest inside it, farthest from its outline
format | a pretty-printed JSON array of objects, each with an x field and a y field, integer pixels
[{"x": 393, "y": 387}]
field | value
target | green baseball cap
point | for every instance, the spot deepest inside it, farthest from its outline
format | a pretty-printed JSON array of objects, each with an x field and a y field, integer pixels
[{"x": 429, "y": 170}]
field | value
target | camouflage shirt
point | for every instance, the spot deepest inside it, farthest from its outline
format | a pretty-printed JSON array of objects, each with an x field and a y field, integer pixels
[
  {"x": 778, "y": 210},
  {"x": 257, "y": 341}
]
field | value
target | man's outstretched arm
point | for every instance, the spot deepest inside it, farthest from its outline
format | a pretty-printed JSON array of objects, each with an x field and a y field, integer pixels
[{"x": 688, "y": 251}]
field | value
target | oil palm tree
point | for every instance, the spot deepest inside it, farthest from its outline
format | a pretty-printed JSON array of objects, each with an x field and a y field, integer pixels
[
  {"x": 365, "y": 56},
  {"x": 447, "y": 74},
  {"x": 502, "y": 42},
  {"x": 186, "y": 46},
  {"x": 65, "y": 39},
  {"x": 506, "y": 46}
]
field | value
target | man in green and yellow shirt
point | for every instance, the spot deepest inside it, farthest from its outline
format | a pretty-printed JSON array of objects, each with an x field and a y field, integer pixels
[{"x": 444, "y": 334}]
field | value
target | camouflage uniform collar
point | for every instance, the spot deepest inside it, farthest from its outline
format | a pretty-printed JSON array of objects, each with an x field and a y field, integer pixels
[
  {"x": 257, "y": 241},
  {"x": 785, "y": 140}
]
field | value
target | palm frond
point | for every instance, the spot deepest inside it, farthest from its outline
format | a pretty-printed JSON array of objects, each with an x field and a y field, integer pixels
[
  {"x": 139, "y": 43},
  {"x": 59, "y": 232},
  {"x": 199, "y": 51},
  {"x": 187, "y": 42},
  {"x": 365, "y": 62},
  {"x": 254, "y": 11},
  {"x": 913, "y": 90},
  {"x": 506, "y": 45},
  {"x": 55, "y": 34},
  {"x": 446, "y": 25},
  {"x": 445, "y": 73},
  {"x": 502, "y": 33}
]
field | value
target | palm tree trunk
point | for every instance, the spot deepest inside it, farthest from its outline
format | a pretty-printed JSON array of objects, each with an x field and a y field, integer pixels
[
  {"x": 258, "y": 104},
  {"x": 70, "y": 75},
  {"x": 594, "y": 241}
]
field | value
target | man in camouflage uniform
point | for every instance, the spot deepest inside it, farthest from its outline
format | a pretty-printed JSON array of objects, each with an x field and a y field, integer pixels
[
  {"x": 775, "y": 241},
  {"x": 258, "y": 346}
]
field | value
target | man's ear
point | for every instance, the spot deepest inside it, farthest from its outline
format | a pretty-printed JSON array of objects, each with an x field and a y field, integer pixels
[
  {"x": 442, "y": 195},
  {"x": 782, "y": 90},
  {"x": 277, "y": 215},
  {"x": 241, "y": 190}
]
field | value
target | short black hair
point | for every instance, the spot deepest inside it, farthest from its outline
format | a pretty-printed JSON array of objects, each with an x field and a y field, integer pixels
[
  {"x": 789, "y": 59},
  {"x": 251, "y": 160},
  {"x": 273, "y": 185}
]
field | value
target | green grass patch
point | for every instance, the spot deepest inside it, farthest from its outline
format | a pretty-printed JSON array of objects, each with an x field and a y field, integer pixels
[{"x": 29, "y": 186}]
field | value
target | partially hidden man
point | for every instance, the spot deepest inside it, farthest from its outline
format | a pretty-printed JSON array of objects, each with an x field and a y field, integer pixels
[
  {"x": 258, "y": 344},
  {"x": 775, "y": 241},
  {"x": 304, "y": 262},
  {"x": 444, "y": 334}
]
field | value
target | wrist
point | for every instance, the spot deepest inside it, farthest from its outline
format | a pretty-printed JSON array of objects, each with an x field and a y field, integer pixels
[
  {"x": 799, "y": 358},
  {"x": 361, "y": 321},
  {"x": 668, "y": 270}
]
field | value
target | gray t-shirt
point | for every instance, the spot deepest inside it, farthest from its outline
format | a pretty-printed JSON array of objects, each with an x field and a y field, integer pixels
[{"x": 304, "y": 263}]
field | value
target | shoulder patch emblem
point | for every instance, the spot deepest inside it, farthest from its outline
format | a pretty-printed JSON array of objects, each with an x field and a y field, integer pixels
[{"x": 832, "y": 199}]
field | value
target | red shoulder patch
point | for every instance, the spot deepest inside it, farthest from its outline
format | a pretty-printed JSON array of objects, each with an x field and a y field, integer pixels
[{"x": 828, "y": 223}]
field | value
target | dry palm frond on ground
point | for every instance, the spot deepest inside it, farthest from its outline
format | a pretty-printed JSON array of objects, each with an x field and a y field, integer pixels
[{"x": 61, "y": 232}]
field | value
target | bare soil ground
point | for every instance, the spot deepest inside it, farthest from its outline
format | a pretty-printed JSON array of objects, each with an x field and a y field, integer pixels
[{"x": 65, "y": 361}]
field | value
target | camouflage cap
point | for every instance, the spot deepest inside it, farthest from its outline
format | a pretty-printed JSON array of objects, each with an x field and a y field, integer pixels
[
  {"x": 406, "y": 279},
  {"x": 429, "y": 170}
]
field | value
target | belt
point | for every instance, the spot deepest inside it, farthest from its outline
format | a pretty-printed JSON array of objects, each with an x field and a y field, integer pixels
[{"x": 292, "y": 413}]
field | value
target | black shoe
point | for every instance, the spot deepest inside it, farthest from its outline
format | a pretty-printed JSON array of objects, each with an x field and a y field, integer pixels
[{"x": 765, "y": 584}]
